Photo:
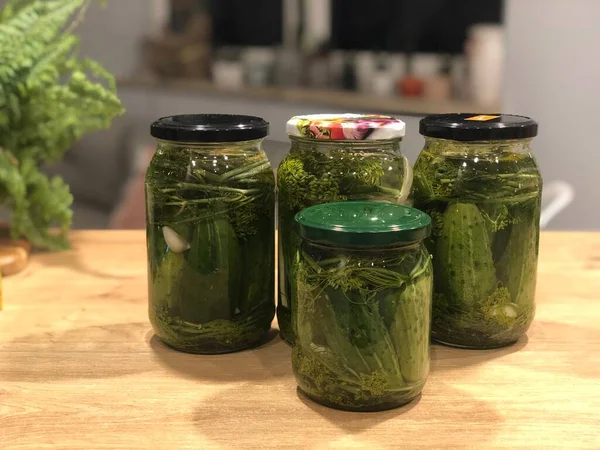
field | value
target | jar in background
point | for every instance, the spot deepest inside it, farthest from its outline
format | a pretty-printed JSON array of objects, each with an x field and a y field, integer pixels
[
  {"x": 210, "y": 227},
  {"x": 332, "y": 159},
  {"x": 479, "y": 182},
  {"x": 363, "y": 305}
]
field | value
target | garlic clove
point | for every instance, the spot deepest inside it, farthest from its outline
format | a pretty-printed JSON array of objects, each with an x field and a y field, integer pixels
[
  {"x": 175, "y": 242},
  {"x": 510, "y": 311}
]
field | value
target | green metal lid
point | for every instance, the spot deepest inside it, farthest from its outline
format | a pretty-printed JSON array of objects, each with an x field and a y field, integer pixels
[{"x": 363, "y": 224}]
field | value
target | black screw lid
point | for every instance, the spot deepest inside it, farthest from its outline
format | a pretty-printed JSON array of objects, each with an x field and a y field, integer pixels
[
  {"x": 209, "y": 128},
  {"x": 478, "y": 127}
]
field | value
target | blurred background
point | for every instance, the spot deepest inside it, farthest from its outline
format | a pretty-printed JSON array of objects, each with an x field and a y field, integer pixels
[{"x": 279, "y": 58}]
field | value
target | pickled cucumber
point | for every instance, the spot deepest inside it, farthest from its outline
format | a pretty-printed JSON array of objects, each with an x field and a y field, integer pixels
[
  {"x": 412, "y": 316},
  {"x": 517, "y": 268},
  {"x": 464, "y": 266}
]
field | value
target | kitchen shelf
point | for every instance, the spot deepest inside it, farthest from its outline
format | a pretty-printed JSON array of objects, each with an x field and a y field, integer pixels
[{"x": 343, "y": 100}]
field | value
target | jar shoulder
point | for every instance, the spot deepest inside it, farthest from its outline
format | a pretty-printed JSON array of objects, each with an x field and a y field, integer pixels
[
  {"x": 336, "y": 165},
  {"x": 222, "y": 166},
  {"x": 462, "y": 175},
  {"x": 355, "y": 261}
]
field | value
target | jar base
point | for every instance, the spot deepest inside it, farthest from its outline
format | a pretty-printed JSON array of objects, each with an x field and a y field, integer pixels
[
  {"x": 489, "y": 346},
  {"x": 374, "y": 408},
  {"x": 284, "y": 320},
  {"x": 284, "y": 339},
  {"x": 216, "y": 350}
]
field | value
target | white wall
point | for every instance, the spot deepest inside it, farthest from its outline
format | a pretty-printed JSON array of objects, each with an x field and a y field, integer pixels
[
  {"x": 552, "y": 74},
  {"x": 113, "y": 34}
]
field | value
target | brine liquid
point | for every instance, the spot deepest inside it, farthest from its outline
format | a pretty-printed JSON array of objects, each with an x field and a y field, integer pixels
[
  {"x": 362, "y": 325},
  {"x": 505, "y": 189},
  {"x": 210, "y": 226}
]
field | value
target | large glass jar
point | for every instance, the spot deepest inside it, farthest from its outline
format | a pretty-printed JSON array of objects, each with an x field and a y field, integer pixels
[
  {"x": 363, "y": 305},
  {"x": 479, "y": 182},
  {"x": 210, "y": 233},
  {"x": 332, "y": 159}
]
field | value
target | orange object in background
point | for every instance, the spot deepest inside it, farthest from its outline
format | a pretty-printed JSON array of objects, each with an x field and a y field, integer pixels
[
  {"x": 410, "y": 86},
  {"x": 14, "y": 253}
]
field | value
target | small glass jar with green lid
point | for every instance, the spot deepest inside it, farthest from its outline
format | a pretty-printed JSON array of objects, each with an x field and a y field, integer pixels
[
  {"x": 363, "y": 310},
  {"x": 478, "y": 180},
  {"x": 210, "y": 207},
  {"x": 334, "y": 158}
]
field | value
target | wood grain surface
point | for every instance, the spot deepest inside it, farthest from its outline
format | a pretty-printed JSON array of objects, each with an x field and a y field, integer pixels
[{"x": 80, "y": 369}]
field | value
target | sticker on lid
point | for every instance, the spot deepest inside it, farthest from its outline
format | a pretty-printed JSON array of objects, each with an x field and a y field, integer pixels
[
  {"x": 482, "y": 118},
  {"x": 346, "y": 127}
]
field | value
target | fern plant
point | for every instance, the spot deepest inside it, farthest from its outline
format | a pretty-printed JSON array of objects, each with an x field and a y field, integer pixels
[{"x": 49, "y": 99}]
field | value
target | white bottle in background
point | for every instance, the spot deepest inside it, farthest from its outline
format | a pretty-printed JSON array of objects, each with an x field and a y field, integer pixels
[
  {"x": 397, "y": 65},
  {"x": 485, "y": 55},
  {"x": 459, "y": 77},
  {"x": 383, "y": 83},
  {"x": 160, "y": 11},
  {"x": 426, "y": 64},
  {"x": 364, "y": 66}
]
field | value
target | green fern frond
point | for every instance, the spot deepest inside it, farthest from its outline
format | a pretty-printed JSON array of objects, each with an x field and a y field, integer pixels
[
  {"x": 36, "y": 202},
  {"x": 49, "y": 99}
]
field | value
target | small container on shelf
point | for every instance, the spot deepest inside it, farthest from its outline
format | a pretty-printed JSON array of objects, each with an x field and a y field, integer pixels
[
  {"x": 228, "y": 74},
  {"x": 334, "y": 158},
  {"x": 410, "y": 85},
  {"x": 210, "y": 226},
  {"x": 259, "y": 65},
  {"x": 382, "y": 80},
  {"x": 363, "y": 310},
  {"x": 479, "y": 182},
  {"x": 439, "y": 86}
]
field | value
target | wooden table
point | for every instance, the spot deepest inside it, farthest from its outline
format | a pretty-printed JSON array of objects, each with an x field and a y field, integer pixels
[{"x": 80, "y": 369}]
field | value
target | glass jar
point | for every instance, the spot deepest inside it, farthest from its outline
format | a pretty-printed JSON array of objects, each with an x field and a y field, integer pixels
[
  {"x": 363, "y": 305},
  {"x": 332, "y": 159},
  {"x": 210, "y": 233},
  {"x": 479, "y": 182}
]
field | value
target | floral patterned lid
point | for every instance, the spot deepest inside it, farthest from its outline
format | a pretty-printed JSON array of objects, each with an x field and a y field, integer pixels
[{"x": 346, "y": 127}]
